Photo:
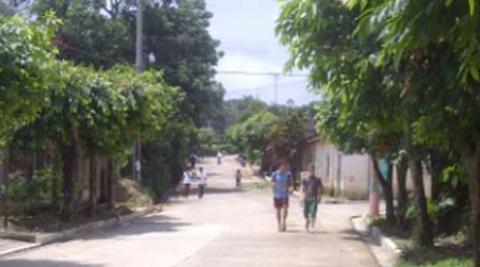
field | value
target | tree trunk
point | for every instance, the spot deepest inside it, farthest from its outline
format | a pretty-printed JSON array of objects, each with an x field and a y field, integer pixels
[
  {"x": 92, "y": 183},
  {"x": 472, "y": 160},
  {"x": 437, "y": 163},
  {"x": 111, "y": 182},
  {"x": 5, "y": 181},
  {"x": 402, "y": 168},
  {"x": 54, "y": 183},
  {"x": 424, "y": 225},
  {"x": 71, "y": 157},
  {"x": 387, "y": 188}
]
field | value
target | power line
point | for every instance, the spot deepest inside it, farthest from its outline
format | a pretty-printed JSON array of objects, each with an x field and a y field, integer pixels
[
  {"x": 274, "y": 75},
  {"x": 281, "y": 86}
]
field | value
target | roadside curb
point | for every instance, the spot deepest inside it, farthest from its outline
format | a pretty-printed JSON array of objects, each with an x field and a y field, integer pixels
[
  {"x": 385, "y": 242},
  {"x": 384, "y": 250},
  {"x": 38, "y": 240}
]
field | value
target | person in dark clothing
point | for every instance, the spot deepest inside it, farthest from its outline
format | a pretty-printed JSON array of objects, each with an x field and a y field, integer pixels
[
  {"x": 312, "y": 192},
  {"x": 192, "y": 159}
]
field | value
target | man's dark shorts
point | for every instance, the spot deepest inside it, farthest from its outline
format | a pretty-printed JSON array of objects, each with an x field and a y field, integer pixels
[{"x": 280, "y": 202}]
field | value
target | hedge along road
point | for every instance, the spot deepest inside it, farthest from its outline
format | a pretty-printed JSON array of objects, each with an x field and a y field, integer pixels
[{"x": 228, "y": 227}]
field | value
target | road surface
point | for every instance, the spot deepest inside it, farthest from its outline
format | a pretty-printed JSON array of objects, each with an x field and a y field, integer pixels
[{"x": 229, "y": 227}]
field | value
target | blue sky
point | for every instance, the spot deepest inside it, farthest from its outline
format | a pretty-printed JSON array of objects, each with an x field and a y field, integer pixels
[{"x": 246, "y": 30}]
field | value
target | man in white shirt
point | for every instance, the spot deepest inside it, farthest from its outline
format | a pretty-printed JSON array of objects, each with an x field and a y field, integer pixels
[
  {"x": 219, "y": 157},
  {"x": 187, "y": 181}
]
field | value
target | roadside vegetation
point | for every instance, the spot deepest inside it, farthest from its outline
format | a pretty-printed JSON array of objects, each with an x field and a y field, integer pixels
[
  {"x": 399, "y": 80},
  {"x": 71, "y": 105}
]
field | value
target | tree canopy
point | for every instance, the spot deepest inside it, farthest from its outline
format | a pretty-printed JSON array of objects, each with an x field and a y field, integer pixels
[
  {"x": 395, "y": 76},
  {"x": 26, "y": 59}
]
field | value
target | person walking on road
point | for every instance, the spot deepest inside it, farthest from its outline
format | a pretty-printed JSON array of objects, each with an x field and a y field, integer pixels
[
  {"x": 202, "y": 182},
  {"x": 281, "y": 183},
  {"x": 312, "y": 189},
  {"x": 187, "y": 181},
  {"x": 238, "y": 177},
  {"x": 192, "y": 159},
  {"x": 219, "y": 157}
]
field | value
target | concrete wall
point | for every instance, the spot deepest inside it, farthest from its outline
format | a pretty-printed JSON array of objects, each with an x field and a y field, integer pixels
[
  {"x": 349, "y": 175},
  {"x": 342, "y": 174}
]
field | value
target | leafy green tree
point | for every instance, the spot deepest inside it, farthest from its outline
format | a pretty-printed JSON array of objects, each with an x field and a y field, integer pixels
[
  {"x": 88, "y": 36},
  {"x": 253, "y": 135},
  {"x": 177, "y": 34},
  {"x": 238, "y": 110},
  {"x": 288, "y": 135},
  {"x": 356, "y": 113},
  {"x": 164, "y": 156},
  {"x": 26, "y": 57},
  {"x": 100, "y": 113},
  {"x": 101, "y": 33},
  {"x": 437, "y": 41},
  {"x": 206, "y": 137}
]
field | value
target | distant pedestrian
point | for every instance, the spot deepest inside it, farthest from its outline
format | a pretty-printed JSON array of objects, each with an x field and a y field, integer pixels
[
  {"x": 281, "y": 183},
  {"x": 243, "y": 160},
  {"x": 192, "y": 158},
  {"x": 238, "y": 177},
  {"x": 186, "y": 182},
  {"x": 219, "y": 157},
  {"x": 312, "y": 189},
  {"x": 202, "y": 182}
]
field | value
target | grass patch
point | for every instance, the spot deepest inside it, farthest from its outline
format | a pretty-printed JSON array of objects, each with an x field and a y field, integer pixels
[
  {"x": 258, "y": 185},
  {"x": 463, "y": 262},
  {"x": 450, "y": 256}
]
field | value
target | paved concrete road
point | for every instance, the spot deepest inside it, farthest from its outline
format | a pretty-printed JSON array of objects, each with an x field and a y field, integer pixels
[{"x": 229, "y": 227}]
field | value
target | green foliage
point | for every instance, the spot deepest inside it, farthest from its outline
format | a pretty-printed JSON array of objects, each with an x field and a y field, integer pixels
[
  {"x": 359, "y": 111},
  {"x": 284, "y": 132},
  {"x": 176, "y": 33},
  {"x": 87, "y": 36},
  {"x": 455, "y": 175},
  {"x": 239, "y": 110},
  {"x": 38, "y": 187},
  {"x": 451, "y": 262},
  {"x": 26, "y": 58},
  {"x": 206, "y": 137},
  {"x": 164, "y": 156},
  {"x": 394, "y": 75},
  {"x": 288, "y": 134},
  {"x": 253, "y": 135}
]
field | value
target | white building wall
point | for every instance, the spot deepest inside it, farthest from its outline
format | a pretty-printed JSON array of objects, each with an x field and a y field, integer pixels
[
  {"x": 342, "y": 174},
  {"x": 355, "y": 176}
]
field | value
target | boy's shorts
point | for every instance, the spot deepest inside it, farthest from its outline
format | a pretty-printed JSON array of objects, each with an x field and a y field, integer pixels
[
  {"x": 310, "y": 208},
  {"x": 280, "y": 202}
]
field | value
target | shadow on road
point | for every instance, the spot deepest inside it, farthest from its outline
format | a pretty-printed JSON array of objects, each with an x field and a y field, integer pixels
[
  {"x": 351, "y": 234},
  {"x": 44, "y": 263},
  {"x": 216, "y": 190},
  {"x": 147, "y": 225}
]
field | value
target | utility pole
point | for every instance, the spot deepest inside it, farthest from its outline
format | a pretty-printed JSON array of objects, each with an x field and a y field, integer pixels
[{"x": 139, "y": 65}]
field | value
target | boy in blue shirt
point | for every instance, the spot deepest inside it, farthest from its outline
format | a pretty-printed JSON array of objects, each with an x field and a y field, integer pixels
[{"x": 281, "y": 183}]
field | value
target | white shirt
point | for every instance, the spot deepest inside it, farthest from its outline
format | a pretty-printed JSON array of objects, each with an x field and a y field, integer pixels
[
  {"x": 202, "y": 178},
  {"x": 186, "y": 178}
]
